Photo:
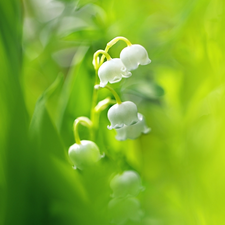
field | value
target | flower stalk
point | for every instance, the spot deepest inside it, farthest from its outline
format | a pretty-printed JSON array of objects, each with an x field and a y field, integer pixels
[
  {"x": 95, "y": 58},
  {"x": 112, "y": 71},
  {"x": 85, "y": 122},
  {"x": 113, "y": 42}
]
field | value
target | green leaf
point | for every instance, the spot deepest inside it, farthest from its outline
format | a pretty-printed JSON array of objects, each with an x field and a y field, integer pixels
[
  {"x": 56, "y": 187},
  {"x": 14, "y": 144}
]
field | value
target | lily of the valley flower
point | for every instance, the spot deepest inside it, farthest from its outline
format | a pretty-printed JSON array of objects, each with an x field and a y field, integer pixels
[
  {"x": 84, "y": 155},
  {"x": 122, "y": 114},
  {"x": 112, "y": 71},
  {"x": 126, "y": 184},
  {"x": 132, "y": 131},
  {"x": 133, "y": 55}
]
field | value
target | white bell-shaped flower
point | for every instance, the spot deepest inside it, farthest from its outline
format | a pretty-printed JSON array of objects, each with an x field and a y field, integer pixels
[
  {"x": 122, "y": 210},
  {"x": 133, "y": 131},
  {"x": 126, "y": 184},
  {"x": 112, "y": 71},
  {"x": 84, "y": 155},
  {"x": 133, "y": 55},
  {"x": 122, "y": 114}
]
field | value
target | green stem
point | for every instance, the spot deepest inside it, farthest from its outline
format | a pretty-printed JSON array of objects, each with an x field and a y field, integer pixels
[
  {"x": 80, "y": 120},
  {"x": 100, "y": 106},
  {"x": 116, "y": 96},
  {"x": 113, "y": 42},
  {"x": 96, "y": 65},
  {"x": 118, "y": 100},
  {"x": 116, "y": 39},
  {"x": 104, "y": 104},
  {"x": 96, "y": 113},
  {"x": 94, "y": 102}
]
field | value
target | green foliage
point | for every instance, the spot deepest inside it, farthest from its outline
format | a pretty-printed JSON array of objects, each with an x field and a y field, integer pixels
[{"x": 47, "y": 80}]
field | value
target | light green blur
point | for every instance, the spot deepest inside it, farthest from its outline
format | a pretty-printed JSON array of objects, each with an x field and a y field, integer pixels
[{"x": 46, "y": 82}]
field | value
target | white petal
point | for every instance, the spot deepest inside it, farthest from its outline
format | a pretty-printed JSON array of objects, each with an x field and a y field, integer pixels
[
  {"x": 112, "y": 71},
  {"x": 132, "y": 131},
  {"x": 133, "y": 55},
  {"x": 85, "y": 154},
  {"x": 122, "y": 114}
]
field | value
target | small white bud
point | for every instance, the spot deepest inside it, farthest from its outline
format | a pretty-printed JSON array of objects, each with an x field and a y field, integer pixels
[{"x": 84, "y": 155}]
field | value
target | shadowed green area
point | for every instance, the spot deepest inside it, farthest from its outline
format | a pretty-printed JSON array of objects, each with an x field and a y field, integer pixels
[{"x": 46, "y": 81}]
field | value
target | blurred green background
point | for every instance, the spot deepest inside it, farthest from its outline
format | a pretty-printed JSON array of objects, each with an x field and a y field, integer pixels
[{"x": 46, "y": 81}]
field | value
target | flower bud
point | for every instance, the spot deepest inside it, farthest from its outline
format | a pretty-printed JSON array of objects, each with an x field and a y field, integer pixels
[
  {"x": 112, "y": 71},
  {"x": 126, "y": 184},
  {"x": 122, "y": 114},
  {"x": 132, "y": 131},
  {"x": 123, "y": 209},
  {"x": 133, "y": 55},
  {"x": 84, "y": 155}
]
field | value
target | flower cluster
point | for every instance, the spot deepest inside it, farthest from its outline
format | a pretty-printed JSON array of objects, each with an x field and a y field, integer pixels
[
  {"x": 124, "y": 205},
  {"x": 114, "y": 70},
  {"x": 123, "y": 116}
]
